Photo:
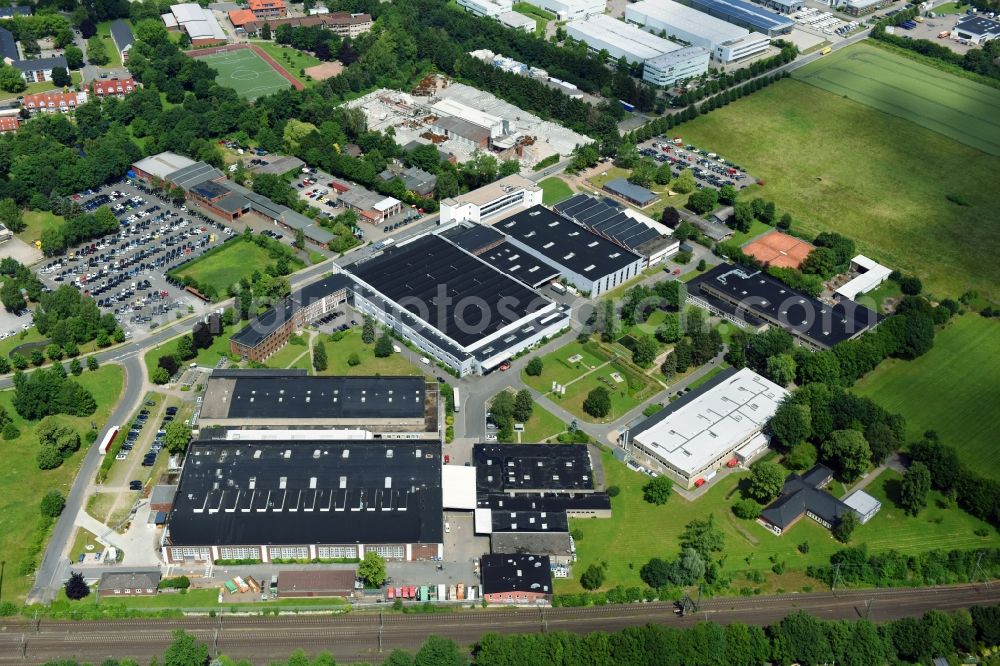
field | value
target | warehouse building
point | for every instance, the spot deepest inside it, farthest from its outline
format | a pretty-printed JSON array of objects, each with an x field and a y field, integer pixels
[
  {"x": 557, "y": 546},
  {"x": 977, "y": 29},
  {"x": 670, "y": 68},
  {"x": 453, "y": 305},
  {"x": 322, "y": 499},
  {"x": 747, "y": 15},
  {"x": 506, "y": 194},
  {"x": 870, "y": 274},
  {"x": 863, "y": 7},
  {"x": 726, "y": 42},
  {"x": 516, "y": 578},
  {"x": 784, "y": 6},
  {"x": 695, "y": 435},
  {"x": 517, "y": 21},
  {"x": 730, "y": 290},
  {"x": 623, "y": 226},
  {"x": 491, "y": 8},
  {"x": 574, "y": 505},
  {"x": 621, "y": 40},
  {"x": 589, "y": 262},
  {"x": 630, "y": 192},
  {"x": 492, "y": 247},
  {"x": 532, "y": 468},
  {"x": 379, "y": 407},
  {"x": 568, "y": 10}
]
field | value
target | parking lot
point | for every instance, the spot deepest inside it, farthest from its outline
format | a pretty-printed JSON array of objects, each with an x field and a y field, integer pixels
[
  {"x": 709, "y": 169},
  {"x": 125, "y": 272},
  {"x": 822, "y": 22}
]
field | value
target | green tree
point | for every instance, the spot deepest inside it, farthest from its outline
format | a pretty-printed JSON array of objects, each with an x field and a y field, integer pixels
[
  {"x": 766, "y": 481},
  {"x": 781, "y": 369},
  {"x": 383, "y": 348},
  {"x": 663, "y": 174},
  {"x": 10, "y": 215},
  {"x": 593, "y": 577},
  {"x": 656, "y": 573},
  {"x": 791, "y": 423},
  {"x": 368, "y": 330},
  {"x": 76, "y": 367},
  {"x": 11, "y": 79},
  {"x": 92, "y": 363},
  {"x": 97, "y": 52},
  {"x": 598, "y": 402},
  {"x": 727, "y": 195},
  {"x": 319, "y": 360},
  {"x": 643, "y": 173},
  {"x": 265, "y": 31},
  {"x": 914, "y": 488},
  {"x": 372, "y": 569},
  {"x": 848, "y": 452},
  {"x": 670, "y": 330},
  {"x": 353, "y": 360},
  {"x": 185, "y": 650},
  {"x": 177, "y": 437},
  {"x": 185, "y": 348},
  {"x": 657, "y": 490},
  {"x": 742, "y": 217},
  {"x": 645, "y": 351},
  {"x": 534, "y": 367},
  {"x": 48, "y": 457},
  {"x": 684, "y": 183},
  {"x": 159, "y": 376},
  {"x": 669, "y": 365},
  {"x": 785, "y": 222},
  {"x": 76, "y": 587},
  {"x": 524, "y": 404},
  {"x": 53, "y": 503},
  {"x": 437, "y": 651},
  {"x": 703, "y": 536},
  {"x": 801, "y": 456},
  {"x": 845, "y": 527},
  {"x": 60, "y": 77},
  {"x": 702, "y": 201},
  {"x": 74, "y": 56},
  {"x": 747, "y": 509}
]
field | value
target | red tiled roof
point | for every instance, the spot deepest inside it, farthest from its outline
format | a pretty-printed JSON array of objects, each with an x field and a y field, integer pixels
[
  {"x": 265, "y": 4},
  {"x": 9, "y": 123},
  {"x": 240, "y": 16},
  {"x": 53, "y": 100},
  {"x": 114, "y": 87}
]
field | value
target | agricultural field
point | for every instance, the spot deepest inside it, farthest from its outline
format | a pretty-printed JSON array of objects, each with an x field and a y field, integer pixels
[
  {"x": 952, "y": 389},
  {"x": 839, "y": 165},
  {"x": 22, "y": 485},
  {"x": 956, "y": 107},
  {"x": 638, "y": 531},
  {"x": 246, "y": 72},
  {"x": 554, "y": 190}
]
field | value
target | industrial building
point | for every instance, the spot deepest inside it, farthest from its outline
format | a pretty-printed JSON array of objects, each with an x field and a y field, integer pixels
[
  {"x": 517, "y": 21},
  {"x": 977, "y": 29},
  {"x": 726, "y": 42},
  {"x": 309, "y": 583},
  {"x": 625, "y": 227},
  {"x": 680, "y": 65},
  {"x": 870, "y": 274},
  {"x": 454, "y": 306},
  {"x": 630, "y": 192},
  {"x": 621, "y": 40},
  {"x": 356, "y": 407},
  {"x": 198, "y": 22},
  {"x": 737, "y": 291},
  {"x": 784, "y": 6},
  {"x": 591, "y": 263},
  {"x": 510, "y": 193},
  {"x": 490, "y": 8},
  {"x": 516, "y": 578},
  {"x": 568, "y": 10},
  {"x": 747, "y": 15},
  {"x": 370, "y": 206},
  {"x": 862, "y": 7},
  {"x": 492, "y": 247},
  {"x": 322, "y": 499},
  {"x": 695, "y": 435},
  {"x": 532, "y": 468}
]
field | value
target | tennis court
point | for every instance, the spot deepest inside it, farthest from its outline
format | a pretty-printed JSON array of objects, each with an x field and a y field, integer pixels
[
  {"x": 961, "y": 109},
  {"x": 246, "y": 72}
]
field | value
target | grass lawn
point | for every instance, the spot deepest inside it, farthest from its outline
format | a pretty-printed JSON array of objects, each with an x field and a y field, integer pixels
[
  {"x": 41, "y": 86},
  {"x": 195, "y": 598},
  {"x": 83, "y": 543},
  {"x": 554, "y": 190},
  {"x": 541, "y": 16},
  {"x": 35, "y": 221},
  {"x": 954, "y": 106},
  {"x": 245, "y": 72},
  {"x": 639, "y": 531},
  {"x": 99, "y": 505},
  {"x": 877, "y": 296},
  {"x": 230, "y": 263},
  {"x": 952, "y": 389},
  {"x": 291, "y": 59},
  {"x": 206, "y": 357},
  {"x": 612, "y": 173},
  {"x": 839, "y": 165},
  {"x": 950, "y": 8},
  {"x": 625, "y": 395},
  {"x": 8, "y": 345},
  {"x": 104, "y": 31},
  {"x": 557, "y": 367},
  {"x": 707, "y": 376},
  {"x": 23, "y": 485},
  {"x": 287, "y": 355},
  {"x": 756, "y": 229},
  {"x": 541, "y": 426},
  {"x": 338, "y": 352}
]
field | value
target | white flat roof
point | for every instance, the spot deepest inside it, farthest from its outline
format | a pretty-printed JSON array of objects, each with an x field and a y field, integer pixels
[
  {"x": 644, "y": 45},
  {"x": 450, "y": 107},
  {"x": 489, "y": 193},
  {"x": 199, "y": 23},
  {"x": 483, "y": 520},
  {"x": 701, "y": 431},
  {"x": 685, "y": 18},
  {"x": 874, "y": 275},
  {"x": 516, "y": 20},
  {"x": 386, "y": 204},
  {"x": 162, "y": 164},
  {"x": 862, "y": 502},
  {"x": 458, "y": 487}
]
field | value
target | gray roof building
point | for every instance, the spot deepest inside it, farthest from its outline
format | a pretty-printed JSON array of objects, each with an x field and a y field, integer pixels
[
  {"x": 128, "y": 580},
  {"x": 803, "y": 495},
  {"x": 631, "y": 192},
  {"x": 41, "y": 64},
  {"x": 415, "y": 180},
  {"x": 121, "y": 35},
  {"x": 8, "y": 46}
]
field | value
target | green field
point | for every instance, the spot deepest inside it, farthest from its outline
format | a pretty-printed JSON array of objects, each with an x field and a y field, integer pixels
[
  {"x": 340, "y": 351},
  {"x": 639, "y": 531},
  {"x": 964, "y": 110},
  {"x": 104, "y": 30},
  {"x": 542, "y": 425},
  {"x": 230, "y": 263},
  {"x": 22, "y": 484},
  {"x": 205, "y": 357},
  {"x": 245, "y": 72},
  {"x": 541, "y": 16},
  {"x": 953, "y": 389},
  {"x": 554, "y": 190},
  {"x": 291, "y": 59},
  {"x": 838, "y": 165}
]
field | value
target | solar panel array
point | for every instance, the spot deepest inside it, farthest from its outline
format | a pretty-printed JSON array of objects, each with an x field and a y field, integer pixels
[{"x": 606, "y": 220}]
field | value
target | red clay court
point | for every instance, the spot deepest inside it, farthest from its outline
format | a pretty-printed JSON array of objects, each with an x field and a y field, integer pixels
[{"x": 777, "y": 249}]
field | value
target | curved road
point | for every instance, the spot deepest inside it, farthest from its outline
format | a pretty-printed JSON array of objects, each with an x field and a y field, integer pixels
[{"x": 359, "y": 636}]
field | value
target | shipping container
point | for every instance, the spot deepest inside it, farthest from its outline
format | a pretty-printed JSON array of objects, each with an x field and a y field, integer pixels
[
  {"x": 442, "y": 592},
  {"x": 424, "y": 595},
  {"x": 390, "y": 594},
  {"x": 461, "y": 591}
]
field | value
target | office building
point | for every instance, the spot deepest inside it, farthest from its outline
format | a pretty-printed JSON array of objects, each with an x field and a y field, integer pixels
[
  {"x": 591, "y": 263},
  {"x": 510, "y": 193},
  {"x": 492, "y": 247},
  {"x": 490, "y": 8},
  {"x": 304, "y": 500},
  {"x": 680, "y": 65},
  {"x": 517, "y": 21},
  {"x": 977, "y": 29},
  {"x": 695, "y": 435}
]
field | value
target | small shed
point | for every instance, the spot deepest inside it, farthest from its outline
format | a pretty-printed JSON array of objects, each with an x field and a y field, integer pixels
[
  {"x": 863, "y": 504},
  {"x": 316, "y": 583}
]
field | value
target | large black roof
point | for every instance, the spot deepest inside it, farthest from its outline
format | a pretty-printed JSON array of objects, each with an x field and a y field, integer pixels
[
  {"x": 587, "y": 501},
  {"x": 516, "y": 573},
  {"x": 492, "y": 247},
  {"x": 566, "y": 243},
  {"x": 772, "y": 300},
  {"x": 452, "y": 291},
  {"x": 510, "y": 467},
  {"x": 308, "y": 492},
  {"x": 529, "y": 521},
  {"x": 609, "y": 221},
  {"x": 233, "y": 394}
]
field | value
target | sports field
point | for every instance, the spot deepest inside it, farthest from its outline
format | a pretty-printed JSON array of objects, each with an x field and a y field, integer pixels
[
  {"x": 838, "y": 165},
  {"x": 952, "y": 389},
  {"x": 964, "y": 110},
  {"x": 246, "y": 72}
]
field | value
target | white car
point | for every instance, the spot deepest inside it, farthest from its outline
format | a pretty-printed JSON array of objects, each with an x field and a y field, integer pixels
[
  {"x": 425, "y": 360},
  {"x": 447, "y": 528}
]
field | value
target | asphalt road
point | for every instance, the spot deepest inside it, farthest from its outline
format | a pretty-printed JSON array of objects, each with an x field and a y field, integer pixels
[{"x": 358, "y": 636}]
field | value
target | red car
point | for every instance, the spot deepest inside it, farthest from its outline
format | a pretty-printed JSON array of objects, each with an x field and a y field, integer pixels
[
  {"x": 677, "y": 271},
  {"x": 699, "y": 483},
  {"x": 505, "y": 366},
  {"x": 447, "y": 459}
]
